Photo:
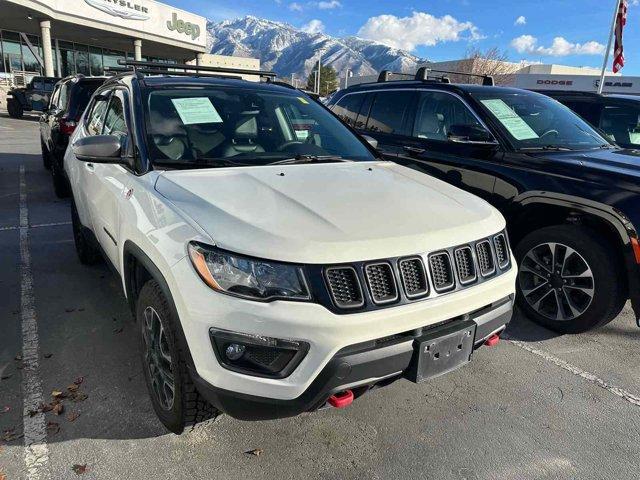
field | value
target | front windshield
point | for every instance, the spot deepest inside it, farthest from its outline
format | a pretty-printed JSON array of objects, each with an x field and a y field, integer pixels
[
  {"x": 231, "y": 126},
  {"x": 532, "y": 121}
]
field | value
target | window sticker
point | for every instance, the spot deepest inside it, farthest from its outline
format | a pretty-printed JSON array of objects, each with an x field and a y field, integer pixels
[
  {"x": 196, "y": 110},
  {"x": 515, "y": 125}
]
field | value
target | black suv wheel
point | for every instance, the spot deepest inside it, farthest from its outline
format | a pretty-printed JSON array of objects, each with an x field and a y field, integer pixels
[
  {"x": 46, "y": 156},
  {"x": 173, "y": 395},
  {"x": 568, "y": 279},
  {"x": 14, "y": 109}
]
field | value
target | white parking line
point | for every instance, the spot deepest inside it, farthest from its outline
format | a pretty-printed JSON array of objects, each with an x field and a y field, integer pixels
[
  {"x": 590, "y": 377},
  {"x": 36, "y": 455},
  {"x": 40, "y": 225}
]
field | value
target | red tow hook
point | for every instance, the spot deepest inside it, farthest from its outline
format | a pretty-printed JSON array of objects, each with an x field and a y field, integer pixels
[
  {"x": 492, "y": 341},
  {"x": 341, "y": 400}
]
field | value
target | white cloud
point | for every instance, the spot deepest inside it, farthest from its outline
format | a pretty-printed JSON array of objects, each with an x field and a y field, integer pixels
[
  {"x": 314, "y": 26},
  {"x": 418, "y": 29},
  {"x": 560, "y": 47},
  {"x": 295, "y": 7},
  {"x": 521, "y": 20},
  {"x": 331, "y": 4}
]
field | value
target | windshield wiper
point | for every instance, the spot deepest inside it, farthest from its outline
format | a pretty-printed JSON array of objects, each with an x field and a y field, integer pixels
[
  {"x": 555, "y": 148},
  {"x": 311, "y": 159},
  {"x": 200, "y": 163}
]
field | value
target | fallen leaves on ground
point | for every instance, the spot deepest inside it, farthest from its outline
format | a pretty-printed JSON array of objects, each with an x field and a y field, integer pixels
[
  {"x": 69, "y": 310},
  {"x": 255, "y": 452},
  {"x": 48, "y": 355},
  {"x": 6, "y": 409},
  {"x": 9, "y": 435},
  {"x": 78, "y": 380},
  {"x": 79, "y": 469},
  {"x": 3, "y": 476},
  {"x": 78, "y": 397},
  {"x": 18, "y": 358},
  {"x": 73, "y": 387},
  {"x": 58, "y": 408},
  {"x": 58, "y": 394},
  {"x": 53, "y": 428},
  {"x": 118, "y": 330},
  {"x": 73, "y": 416}
]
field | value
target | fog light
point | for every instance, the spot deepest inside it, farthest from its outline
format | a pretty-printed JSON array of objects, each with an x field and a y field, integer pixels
[
  {"x": 235, "y": 351},
  {"x": 257, "y": 355}
]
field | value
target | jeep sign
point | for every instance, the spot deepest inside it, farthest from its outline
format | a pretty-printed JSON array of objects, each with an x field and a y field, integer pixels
[{"x": 181, "y": 26}]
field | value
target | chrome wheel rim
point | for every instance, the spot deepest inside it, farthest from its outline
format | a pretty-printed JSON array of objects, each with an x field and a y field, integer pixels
[
  {"x": 556, "y": 281},
  {"x": 158, "y": 359}
]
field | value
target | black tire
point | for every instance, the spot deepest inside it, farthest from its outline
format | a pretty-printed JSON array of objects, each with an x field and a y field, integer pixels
[
  {"x": 60, "y": 182},
  {"x": 588, "y": 298},
  {"x": 88, "y": 253},
  {"x": 14, "y": 108},
  {"x": 188, "y": 407},
  {"x": 46, "y": 156}
]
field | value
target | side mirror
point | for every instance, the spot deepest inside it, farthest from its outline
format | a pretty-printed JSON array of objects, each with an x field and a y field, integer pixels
[
  {"x": 471, "y": 134},
  {"x": 371, "y": 141},
  {"x": 99, "y": 149}
]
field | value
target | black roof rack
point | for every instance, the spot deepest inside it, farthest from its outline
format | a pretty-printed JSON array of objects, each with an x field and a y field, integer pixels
[
  {"x": 424, "y": 74},
  {"x": 155, "y": 68}
]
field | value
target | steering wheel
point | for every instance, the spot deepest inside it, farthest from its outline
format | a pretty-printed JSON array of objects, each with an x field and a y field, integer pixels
[
  {"x": 550, "y": 132},
  {"x": 286, "y": 145}
]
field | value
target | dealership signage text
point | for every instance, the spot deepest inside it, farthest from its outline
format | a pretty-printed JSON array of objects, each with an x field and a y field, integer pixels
[
  {"x": 121, "y": 8},
  {"x": 180, "y": 26}
]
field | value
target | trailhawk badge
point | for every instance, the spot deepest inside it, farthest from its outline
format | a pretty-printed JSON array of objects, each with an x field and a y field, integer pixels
[{"x": 121, "y": 8}]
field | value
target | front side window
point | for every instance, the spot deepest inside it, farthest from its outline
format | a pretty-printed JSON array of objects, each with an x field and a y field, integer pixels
[
  {"x": 95, "y": 121},
  {"x": 438, "y": 112},
  {"x": 532, "y": 121},
  {"x": 348, "y": 108},
  {"x": 210, "y": 126},
  {"x": 621, "y": 123},
  {"x": 389, "y": 111},
  {"x": 114, "y": 122}
]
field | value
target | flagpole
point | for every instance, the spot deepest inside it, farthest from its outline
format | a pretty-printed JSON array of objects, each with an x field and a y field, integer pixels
[{"x": 607, "y": 52}]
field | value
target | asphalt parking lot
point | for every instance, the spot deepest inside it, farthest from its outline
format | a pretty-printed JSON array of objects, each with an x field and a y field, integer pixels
[{"x": 537, "y": 406}]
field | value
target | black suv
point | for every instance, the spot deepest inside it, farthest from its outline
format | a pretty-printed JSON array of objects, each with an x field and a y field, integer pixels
[
  {"x": 570, "y": 197},
  {"x": 70, "y": 97},
  {"x": 617, "y": 116},
  {"x": 34, "y": 97}
]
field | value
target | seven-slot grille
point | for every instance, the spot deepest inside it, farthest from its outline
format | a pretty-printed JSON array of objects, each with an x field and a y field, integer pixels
[
  {"x": 485, "y": 258},
  {"x": 441, "y": 271},
  {"x": 465, "y": 265},
  {"x": 381, "y": 281},
  {"x": 414, "y": 277},
  {"x": 345, "y": 287},
  {"x": 502, "y": 250}
]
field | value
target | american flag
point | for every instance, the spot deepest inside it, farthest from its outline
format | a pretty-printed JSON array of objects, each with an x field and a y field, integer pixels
[{"x": 618, "y": 50}]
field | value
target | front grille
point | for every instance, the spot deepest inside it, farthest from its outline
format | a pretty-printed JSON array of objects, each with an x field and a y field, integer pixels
[
  {"x": 465, "y": 266},
  {"x": 344, "y": 287},
  {"x": 382, "y": 284},
  {"x": 502, "y": 250},
  {"x": 414, "y": 277},
  {"x": 441, "y": 271},
  {"x": 485, "y": 258}
]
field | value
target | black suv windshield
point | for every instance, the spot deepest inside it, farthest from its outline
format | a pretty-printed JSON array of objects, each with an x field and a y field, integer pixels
[
  {"x": 536, "y": 122},
  {"x": 231, "y": 126}
]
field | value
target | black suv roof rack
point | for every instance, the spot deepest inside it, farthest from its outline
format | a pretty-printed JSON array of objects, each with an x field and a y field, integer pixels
[
  {"x": 184, "y": 69},
  {"x": 424, "y": 74}
]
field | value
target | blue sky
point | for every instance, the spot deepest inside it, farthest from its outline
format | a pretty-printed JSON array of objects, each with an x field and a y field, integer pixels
[{"x": 572, "y": 32}]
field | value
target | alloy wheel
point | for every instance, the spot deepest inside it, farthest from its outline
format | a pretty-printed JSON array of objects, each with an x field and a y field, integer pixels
[
  {"x": 158, "y": 359},
  {"x": 556, "y": 281}
]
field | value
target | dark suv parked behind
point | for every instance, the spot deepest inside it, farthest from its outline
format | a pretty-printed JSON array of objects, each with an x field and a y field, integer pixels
[
  {"x": 34, "y": 97},
  {"x": 68, "y": 101},
  {"x": 570, "y": 197}
]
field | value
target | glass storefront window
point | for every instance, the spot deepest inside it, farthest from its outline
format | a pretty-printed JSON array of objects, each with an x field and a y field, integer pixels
[
  {"x": 67, "y": 58},
  {"x": 111, "y": 58},
  {"x": 95, "y": 60},
  {"x": 11, "y": 51},
  {"x": 82, "y": 59},
  {"x": 29, "y": 60}
]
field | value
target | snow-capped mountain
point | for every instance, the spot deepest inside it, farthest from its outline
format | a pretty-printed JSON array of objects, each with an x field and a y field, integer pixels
[{"x": 288, "y": 50}]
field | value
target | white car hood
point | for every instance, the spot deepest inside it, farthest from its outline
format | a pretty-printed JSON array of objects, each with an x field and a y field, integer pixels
[{"x": 328, "y": 213}]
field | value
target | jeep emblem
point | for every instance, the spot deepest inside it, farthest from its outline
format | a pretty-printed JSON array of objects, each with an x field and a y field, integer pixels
[{"x": 180, "y": 26}]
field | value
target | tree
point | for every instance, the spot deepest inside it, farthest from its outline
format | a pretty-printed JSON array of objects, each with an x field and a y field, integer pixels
[
  {"x": 328, "y": 80},
  {"x": 490, "y": 62}
]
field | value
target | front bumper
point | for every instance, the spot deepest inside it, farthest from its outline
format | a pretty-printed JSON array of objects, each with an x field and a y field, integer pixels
[{"x": 358, "y": 368}]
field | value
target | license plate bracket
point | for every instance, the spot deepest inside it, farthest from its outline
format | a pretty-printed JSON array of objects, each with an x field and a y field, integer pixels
[{"x": 442, "y": 350}]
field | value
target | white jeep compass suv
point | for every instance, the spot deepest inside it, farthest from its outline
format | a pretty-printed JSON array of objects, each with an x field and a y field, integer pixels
[{"x": 274, "y": 263}]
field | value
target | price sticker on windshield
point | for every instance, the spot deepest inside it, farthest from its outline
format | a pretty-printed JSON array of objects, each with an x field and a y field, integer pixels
[
  {"x": 196, "y": 110},
  {"x": 514, "y": 124}
]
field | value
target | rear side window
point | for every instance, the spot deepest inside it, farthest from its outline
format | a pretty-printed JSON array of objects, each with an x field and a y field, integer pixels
[
  {"x": 348, "y": 108},
  {"x": 621, "y": 123},
  {"x": 64, "y": 96},
  {"x": 80, "y": 96},
  {"x": 389, "y": 112},
  {"x": 95, "y": 121},
  {"x": 590, "y": 111}
]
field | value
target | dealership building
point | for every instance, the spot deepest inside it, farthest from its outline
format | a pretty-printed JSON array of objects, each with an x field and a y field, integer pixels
[{"x": 57, "y": 38}]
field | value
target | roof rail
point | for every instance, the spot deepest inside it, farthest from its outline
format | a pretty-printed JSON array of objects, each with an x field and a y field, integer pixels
[
  {"x": 487, "y": 80},
  {"x": 151, "y": 68}
]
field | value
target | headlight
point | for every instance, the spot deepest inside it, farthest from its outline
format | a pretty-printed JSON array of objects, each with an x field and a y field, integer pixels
[{"x": 248, "y": 277}]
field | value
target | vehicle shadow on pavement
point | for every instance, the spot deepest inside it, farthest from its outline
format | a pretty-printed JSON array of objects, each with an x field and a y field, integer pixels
[
  {"x": 28, "y": 116},
  {"x": 523, "y": 329}
]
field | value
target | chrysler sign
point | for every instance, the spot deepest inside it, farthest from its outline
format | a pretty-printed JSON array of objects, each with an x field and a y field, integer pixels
[{"x": 121, "y": 8}]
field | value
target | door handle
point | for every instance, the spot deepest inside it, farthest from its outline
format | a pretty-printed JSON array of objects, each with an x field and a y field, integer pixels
[{"x": 414, "y": 149}]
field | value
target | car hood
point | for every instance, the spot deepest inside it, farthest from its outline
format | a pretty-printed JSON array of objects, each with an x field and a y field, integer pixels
[{"x": 328, "y": 213}]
